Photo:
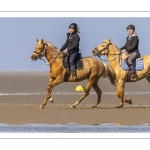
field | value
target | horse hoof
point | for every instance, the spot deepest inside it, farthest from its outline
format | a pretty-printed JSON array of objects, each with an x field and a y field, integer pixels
[
  {"x": 94, "y": 107},
  {"x": 129, "y": 101},
  {"x": 97, "y": 106},
  {"x": 73, "y": 106},
  {"x": 119, "y": 106},
  {"x": 51, "y": 100},
  {"x": 41, "y": 106}
]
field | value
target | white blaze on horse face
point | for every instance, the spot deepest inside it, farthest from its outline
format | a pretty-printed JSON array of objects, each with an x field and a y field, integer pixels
[{"x": 37, "y": 49}]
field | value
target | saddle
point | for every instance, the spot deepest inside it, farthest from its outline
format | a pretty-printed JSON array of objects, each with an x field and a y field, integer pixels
[
  {"x": 78, "y": 62},
  {"x": 138, "y": 63}
]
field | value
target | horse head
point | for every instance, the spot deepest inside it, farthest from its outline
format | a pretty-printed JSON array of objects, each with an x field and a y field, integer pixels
[
  {"x": 102, "y": 49},
  {"x": 39, "y": 50}
]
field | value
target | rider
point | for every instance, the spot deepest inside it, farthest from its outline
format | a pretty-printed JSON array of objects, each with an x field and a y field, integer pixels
[
  {"x": 131, "y": 46},
  {"x": 72, "y": 45}
]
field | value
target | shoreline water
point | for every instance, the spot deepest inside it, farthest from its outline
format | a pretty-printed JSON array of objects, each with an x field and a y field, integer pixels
[{"x": 73, "y": 128}]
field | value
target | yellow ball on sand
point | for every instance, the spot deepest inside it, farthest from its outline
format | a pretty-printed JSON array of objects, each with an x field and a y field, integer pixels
[{"x": 79, "y": 88}]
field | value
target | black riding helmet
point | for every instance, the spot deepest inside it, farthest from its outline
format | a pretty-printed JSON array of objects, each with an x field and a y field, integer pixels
[
  {"x": 130, "y": 27},
  {"x": 74, "y": 26}
]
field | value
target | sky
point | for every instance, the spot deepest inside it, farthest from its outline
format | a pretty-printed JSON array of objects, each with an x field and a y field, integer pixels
[{"x": 18, "y": 37}]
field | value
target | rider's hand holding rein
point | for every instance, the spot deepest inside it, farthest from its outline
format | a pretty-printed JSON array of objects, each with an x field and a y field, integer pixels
[{"x": 123, "y": 51}]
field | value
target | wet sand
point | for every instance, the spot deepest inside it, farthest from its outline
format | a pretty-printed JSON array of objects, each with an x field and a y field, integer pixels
[{"x": 22, "y": 93}]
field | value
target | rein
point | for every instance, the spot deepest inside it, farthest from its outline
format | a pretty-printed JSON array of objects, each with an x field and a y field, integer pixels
[
  {"x": 117, "y": 55},
  {"x": 51, "y": 60}
]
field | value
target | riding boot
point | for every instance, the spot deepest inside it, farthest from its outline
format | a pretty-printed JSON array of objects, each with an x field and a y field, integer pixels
[
  {"x": 133, "y": 71},
  {"x": 73, "y": 74},
  {"x": 73, "y": 71}
]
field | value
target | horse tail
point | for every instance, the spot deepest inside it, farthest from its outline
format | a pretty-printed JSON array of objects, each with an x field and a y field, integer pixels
[{"x": 110, "y": 73}]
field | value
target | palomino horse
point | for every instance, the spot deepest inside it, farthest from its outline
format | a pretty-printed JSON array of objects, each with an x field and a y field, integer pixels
[
  {"x": 114, "y": 57},
  {"x": 93, "y": 70}
]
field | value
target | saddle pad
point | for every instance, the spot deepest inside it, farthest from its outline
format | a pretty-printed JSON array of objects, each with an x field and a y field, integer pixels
[
  {"x": 79, "y": 63},
  {"x": 139, "y": 65}
]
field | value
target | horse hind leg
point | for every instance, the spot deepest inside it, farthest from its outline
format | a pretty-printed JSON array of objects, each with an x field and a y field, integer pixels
[
  {"x": 129, "y": 101},
  {"x": 86, "y": 93},
  {"x": 148, "y": 79},
  {"x": 98, "y": 92}
]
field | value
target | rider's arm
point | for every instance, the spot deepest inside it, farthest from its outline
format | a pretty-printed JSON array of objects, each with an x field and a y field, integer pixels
[
  {"x": 66, "y": 44},
  {"x": 124, "y": 47}
]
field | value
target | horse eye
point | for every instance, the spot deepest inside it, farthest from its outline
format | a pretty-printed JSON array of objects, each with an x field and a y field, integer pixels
[
  {"x": 40, "y": 48},
  {"x": 103, "y": 45}
]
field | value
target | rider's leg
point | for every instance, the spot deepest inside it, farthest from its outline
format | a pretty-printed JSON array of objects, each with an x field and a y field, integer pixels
[
  {"x": 67, "y": 58},
  {"x": 131, "y": 60},
  {"x": 72, "y": 64}
]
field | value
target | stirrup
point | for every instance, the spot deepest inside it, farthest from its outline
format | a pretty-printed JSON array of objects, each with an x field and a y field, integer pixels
[
  {"x": 74, "y": 77},
  {"x": 133, "y": 75}
]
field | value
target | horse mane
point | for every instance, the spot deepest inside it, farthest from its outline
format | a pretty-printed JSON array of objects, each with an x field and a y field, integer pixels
[
  {"x": 116, "y": 46},
  {"x": 51, "y": 45},
  {"x": 124, "y": 55}
]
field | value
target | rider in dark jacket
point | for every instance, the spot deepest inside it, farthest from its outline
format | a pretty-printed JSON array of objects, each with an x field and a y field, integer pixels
[
  {"x": 131, "y": 46},
  {"x": 72, "y": 45}
]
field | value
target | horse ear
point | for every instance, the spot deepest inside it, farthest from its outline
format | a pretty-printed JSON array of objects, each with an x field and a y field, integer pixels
[
  {"x": 37, "y": 40},
  {"x": 109, "y": 39},
  {"x": 42, "y": 41}
]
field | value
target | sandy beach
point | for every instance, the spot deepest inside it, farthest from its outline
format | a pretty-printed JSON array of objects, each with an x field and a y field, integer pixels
[{"x": 22, "y": 93}]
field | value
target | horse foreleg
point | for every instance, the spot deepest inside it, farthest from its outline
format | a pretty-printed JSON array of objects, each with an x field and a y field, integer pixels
[
  {"x": 120, "y": 92},
  {"x": 48, "y": 96},
  {"x": 49, "y": 90},
  {"x": 98, "y": 92}
]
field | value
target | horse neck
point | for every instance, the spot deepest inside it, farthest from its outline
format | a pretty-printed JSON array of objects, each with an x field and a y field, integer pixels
[
  {"x": 113, "y": 50},
  {"x": 51, "y": 54}
]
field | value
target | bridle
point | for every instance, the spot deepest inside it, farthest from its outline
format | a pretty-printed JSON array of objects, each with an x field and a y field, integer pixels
[
  {"x": 43, "y": 50},
  {"x": 39, "y": 55},
  {"x": 105, "y": 49}
]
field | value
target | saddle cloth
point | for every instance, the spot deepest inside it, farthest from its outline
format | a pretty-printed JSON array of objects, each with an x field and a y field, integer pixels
[
  {"x": 78, "y": 62},
  {"x": 138, "y": 65}
]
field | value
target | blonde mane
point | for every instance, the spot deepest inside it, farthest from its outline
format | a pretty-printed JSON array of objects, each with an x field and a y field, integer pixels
[
  {"x": 124, "y": 55},
  {"x": 51, "y": 45}
]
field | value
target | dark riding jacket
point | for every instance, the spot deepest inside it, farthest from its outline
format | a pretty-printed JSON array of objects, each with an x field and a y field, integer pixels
[
  {"x": 72, "y": 43},
  {"x": 132, "y": 43}
]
